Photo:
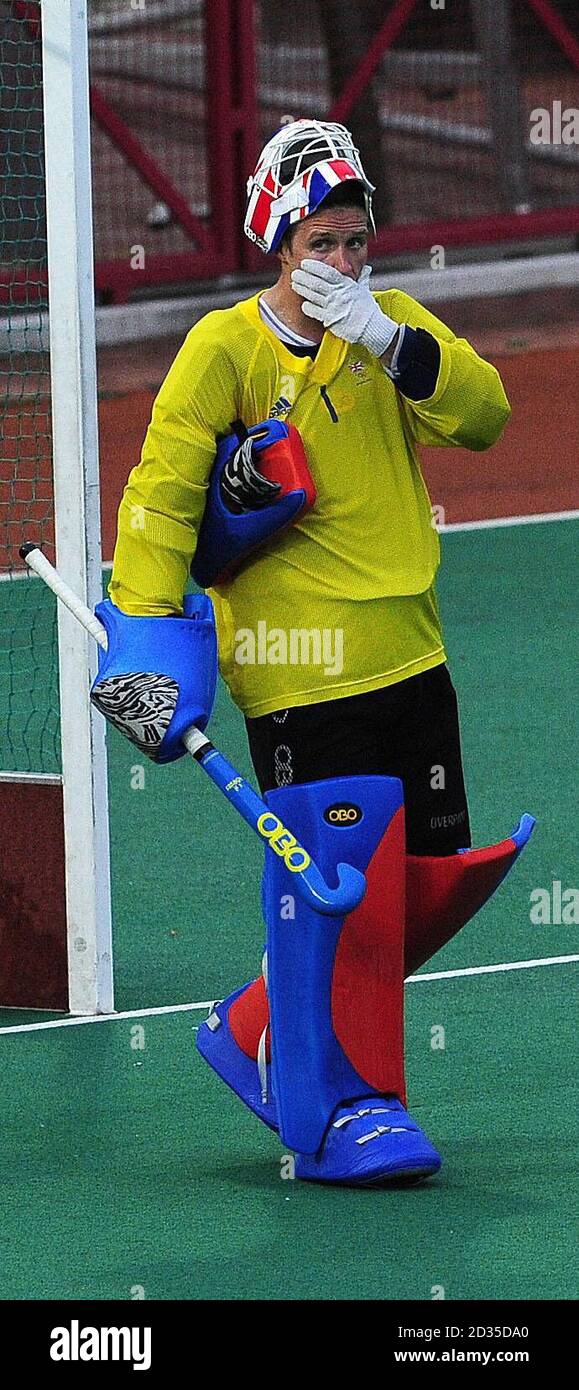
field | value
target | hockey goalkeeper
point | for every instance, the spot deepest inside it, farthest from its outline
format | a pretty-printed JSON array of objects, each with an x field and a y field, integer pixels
[{"x": 352, "y": 724}]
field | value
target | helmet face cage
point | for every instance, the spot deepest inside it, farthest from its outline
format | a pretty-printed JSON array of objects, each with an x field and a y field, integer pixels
[{"x": 296, "y": 170}]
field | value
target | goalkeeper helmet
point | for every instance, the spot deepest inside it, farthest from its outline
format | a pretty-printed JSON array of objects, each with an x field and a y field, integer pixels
[{"x": 295, "y": 171}]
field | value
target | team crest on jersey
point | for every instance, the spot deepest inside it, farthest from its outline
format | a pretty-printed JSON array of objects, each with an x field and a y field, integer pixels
[
  {"x": 358, "y": 370},
  {"x": 282, "y": 407}
]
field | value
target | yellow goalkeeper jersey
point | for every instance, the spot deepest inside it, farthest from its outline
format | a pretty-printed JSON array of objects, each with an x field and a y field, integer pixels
[{"x": 344, "y": 601}]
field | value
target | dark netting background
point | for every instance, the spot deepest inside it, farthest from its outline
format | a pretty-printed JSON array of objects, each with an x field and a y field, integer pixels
[
  {"x": 423, "y": 123},
  {"x": 148, "y": 64},
  {"x": 29, "y": 725}
]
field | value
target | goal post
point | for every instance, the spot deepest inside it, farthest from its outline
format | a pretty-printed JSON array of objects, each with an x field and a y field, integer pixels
[
  {"x": 76, "y": 494},
  {"x": 63, "y": 39}
]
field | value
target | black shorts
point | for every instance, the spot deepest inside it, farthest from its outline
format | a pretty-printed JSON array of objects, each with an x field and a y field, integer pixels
[{"x": 408, "y": 730}]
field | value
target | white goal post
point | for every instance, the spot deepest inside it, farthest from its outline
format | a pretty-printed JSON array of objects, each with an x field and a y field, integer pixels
[{"x": 76, "y": 495}]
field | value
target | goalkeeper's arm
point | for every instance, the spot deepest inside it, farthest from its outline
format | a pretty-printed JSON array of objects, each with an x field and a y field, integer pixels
[
  {"x": 157, "y": 678},
  {"x": 163, "y": 503}
]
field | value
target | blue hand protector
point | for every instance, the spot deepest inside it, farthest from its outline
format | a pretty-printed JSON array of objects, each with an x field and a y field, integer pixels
[
  {"x": 226, "y": 540},
  {"x": 158, "y": 675}
]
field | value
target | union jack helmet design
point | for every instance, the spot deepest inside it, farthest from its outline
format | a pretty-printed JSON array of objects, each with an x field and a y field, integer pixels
[{"x": 295, "y": 171}]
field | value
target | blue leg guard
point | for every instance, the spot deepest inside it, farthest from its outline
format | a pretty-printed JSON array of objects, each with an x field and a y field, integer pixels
[
  {"x": 334, "y": 1005},
  {"x": 335, "y": 984}
]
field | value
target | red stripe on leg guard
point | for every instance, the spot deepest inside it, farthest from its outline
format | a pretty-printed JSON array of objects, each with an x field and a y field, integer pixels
[
  {"x": 442, "y": 894},
  {"x": 368, "y": 980},
  {"x": 248, "y": 1016}
]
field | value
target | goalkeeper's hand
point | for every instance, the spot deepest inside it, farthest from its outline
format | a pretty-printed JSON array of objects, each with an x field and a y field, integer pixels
[
  {"x": 157, "y": 676},
  {"x": 243, "y": 488},
  {"x": 343, "y": 305}
]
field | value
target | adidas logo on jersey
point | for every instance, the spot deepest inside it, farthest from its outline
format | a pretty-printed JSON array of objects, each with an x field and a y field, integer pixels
[{"x": 282, "y": 407}]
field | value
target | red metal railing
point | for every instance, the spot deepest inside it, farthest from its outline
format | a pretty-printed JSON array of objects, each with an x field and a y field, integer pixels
[
  {"x": 386, "y": 36},
  {"x": 213, "y": 245},
  {"x": 466, "y": 230},
  {"x": 557, "y": 27}
]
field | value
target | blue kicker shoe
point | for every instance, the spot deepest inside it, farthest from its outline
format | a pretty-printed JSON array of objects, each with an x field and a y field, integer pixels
[
  {"x": 372, "y": 1141},
  {"x": 250, "y": 1080},
  {"x": 363, "y": 1145}
]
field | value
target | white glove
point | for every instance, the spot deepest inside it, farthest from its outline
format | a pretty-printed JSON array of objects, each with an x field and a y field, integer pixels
[{"x": 343, "y": 305}]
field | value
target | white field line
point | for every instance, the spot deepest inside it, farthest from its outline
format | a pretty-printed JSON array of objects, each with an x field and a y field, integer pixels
[
  {"x": 107, "y": 1018},
  {"x": 507, "y": 521},
  {"x": 487, "y": 525},
  {"x": 491, "y": 969},
  {"x": 209, "y": 1003}
]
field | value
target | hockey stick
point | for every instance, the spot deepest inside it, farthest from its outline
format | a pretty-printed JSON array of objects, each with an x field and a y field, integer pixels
[{"x": 308, "y": 880}]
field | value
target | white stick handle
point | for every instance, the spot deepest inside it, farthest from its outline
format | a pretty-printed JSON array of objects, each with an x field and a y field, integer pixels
[{"x": 42, "y": 567}]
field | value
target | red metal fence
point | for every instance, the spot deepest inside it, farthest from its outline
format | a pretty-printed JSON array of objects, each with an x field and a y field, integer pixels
[{"x": 441, "y": 100}]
